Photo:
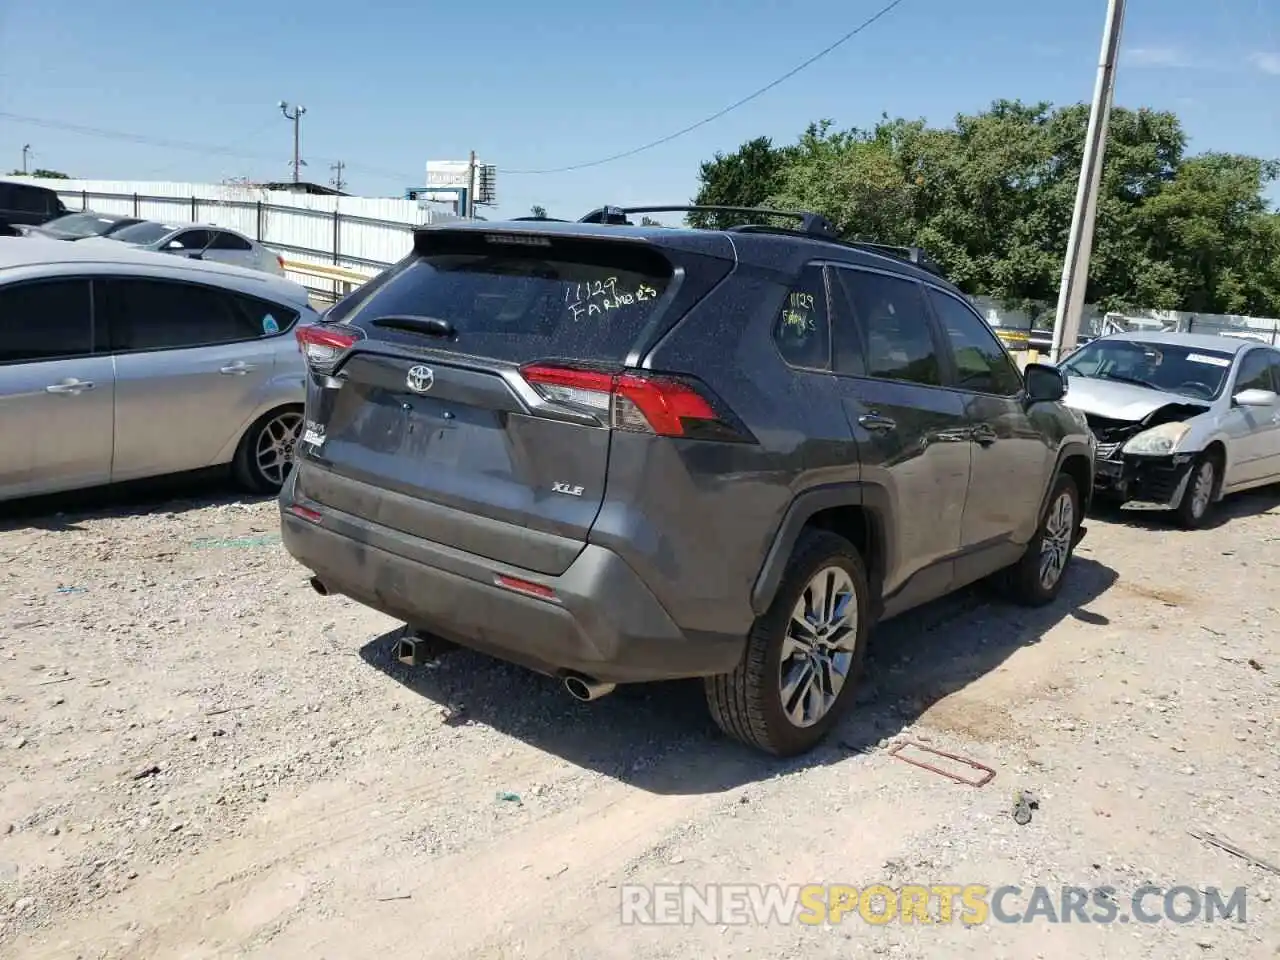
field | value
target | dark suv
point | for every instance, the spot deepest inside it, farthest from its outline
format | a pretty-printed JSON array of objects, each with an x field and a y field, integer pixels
[
  {"x": 615, "y": 454},
  {"x": 25, "y": 204}
]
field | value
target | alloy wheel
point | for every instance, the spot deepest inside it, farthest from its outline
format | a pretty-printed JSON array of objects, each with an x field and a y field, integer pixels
[{"x": 817, "y": 650}]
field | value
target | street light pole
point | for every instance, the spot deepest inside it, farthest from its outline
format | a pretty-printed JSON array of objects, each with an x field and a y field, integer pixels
[
  {"x": 296, "y": 117},
  {"x": 1075, "y": 268},
  {"x": 26, "y": 149}
]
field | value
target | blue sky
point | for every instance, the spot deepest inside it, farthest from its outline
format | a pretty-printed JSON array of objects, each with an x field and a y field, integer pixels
[{"x": 532, "y": 86}]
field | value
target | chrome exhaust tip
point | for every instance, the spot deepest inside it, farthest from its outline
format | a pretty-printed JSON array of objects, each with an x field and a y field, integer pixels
[{"x": 584, "y": 688}]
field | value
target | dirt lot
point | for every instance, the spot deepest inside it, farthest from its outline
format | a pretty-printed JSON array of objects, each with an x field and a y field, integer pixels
[{"x": 201, "y": 758}]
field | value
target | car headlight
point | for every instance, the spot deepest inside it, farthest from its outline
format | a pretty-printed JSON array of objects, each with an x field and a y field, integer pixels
[{"x": 1158, "y": 440}]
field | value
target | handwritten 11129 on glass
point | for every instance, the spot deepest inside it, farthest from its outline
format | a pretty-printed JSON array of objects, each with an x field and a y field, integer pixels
[{"x": 600, "y": 296}]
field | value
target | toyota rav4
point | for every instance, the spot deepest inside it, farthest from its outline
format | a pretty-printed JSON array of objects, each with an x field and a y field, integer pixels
[{"x": 617, "y": 453}]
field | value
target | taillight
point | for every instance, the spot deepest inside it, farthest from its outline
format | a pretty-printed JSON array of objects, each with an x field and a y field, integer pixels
[
  {"x": 324, "y": 344},
  {"x": 636, "y": 401}
]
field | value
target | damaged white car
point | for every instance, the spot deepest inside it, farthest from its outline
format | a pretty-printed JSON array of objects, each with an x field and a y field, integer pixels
[{"x": 1181, "y": 419}]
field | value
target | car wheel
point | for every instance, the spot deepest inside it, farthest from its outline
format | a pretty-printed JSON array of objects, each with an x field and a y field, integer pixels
[
  {"x": 1037, "y": 578},
  {"x": 265, "y": 456},
  {"x": 804, "y": 655},
  {"x": 1197, "y": 499}
]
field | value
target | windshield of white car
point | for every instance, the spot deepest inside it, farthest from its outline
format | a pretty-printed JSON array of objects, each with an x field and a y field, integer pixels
[
  {"x": 142, "y": 233},
  {"x": 1171, "y": 368}
]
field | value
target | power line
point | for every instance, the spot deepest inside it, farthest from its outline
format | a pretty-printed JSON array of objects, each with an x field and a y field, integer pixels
[
  {"x": 187, "y": 145},
  {"x": 883, "y": 11}
]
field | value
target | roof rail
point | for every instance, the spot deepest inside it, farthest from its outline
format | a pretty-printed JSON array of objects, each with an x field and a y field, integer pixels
[
  {"x": 539, "y": 219},
  {"x": 914, "y": 255},
  {"x": 811, "y": 224}
]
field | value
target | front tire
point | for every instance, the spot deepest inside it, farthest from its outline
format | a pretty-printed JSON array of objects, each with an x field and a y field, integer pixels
[
  {"x": 1194, "y": 509},
  {"x": 265, "y": 455},
  {"x": 804, "y": 656},
  {"x": 1037, "y": 578}
]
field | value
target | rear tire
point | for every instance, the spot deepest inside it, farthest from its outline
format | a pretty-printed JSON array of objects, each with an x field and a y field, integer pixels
[
  {"x": 1196, "y": 506},
  {"x": 804, "y": 656},
  {"x": 1037, "y": 578},
  {"x": 265, "y": 455}
]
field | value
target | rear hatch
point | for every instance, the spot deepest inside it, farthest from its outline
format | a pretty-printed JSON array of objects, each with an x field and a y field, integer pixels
[{"x": 468, "y": 395}]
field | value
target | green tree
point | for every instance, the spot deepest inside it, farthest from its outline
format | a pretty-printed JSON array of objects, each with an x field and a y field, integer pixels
[
  {"x": 40, "y": 172},
  {"x": 538, "y": 211},
  {"x": 745, "y": 178},
  {"x": 991, "y": 196}
]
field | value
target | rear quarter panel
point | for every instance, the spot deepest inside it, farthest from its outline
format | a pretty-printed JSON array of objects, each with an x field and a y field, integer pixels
[{"x": 694, "y": 518}]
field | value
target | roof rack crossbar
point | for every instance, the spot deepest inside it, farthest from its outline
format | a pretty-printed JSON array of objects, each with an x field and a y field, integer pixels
[
  {"x": 813, "y": 224},
  {"x": 810, "y": 224}
]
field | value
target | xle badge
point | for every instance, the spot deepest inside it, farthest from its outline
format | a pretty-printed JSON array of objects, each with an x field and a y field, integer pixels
[{"x": 558, "y": 487}]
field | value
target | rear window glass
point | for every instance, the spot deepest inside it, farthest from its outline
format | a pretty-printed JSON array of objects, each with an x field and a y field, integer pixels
[{"x": 569, "y": 299}]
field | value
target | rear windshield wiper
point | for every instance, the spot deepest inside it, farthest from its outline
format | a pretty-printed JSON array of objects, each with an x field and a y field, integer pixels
[{"x": 431, "y": 326}]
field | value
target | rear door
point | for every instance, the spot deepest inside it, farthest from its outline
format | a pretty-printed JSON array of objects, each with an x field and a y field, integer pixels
[
  {"x": 230, "y": 248},
  {"x": 55, "y": 395},
  {"x": 913, "y": 439},
  {"x": 429, "y": 426},
  {"x": 1012, "y": 459},
  {"x": 191, "y": 366}
]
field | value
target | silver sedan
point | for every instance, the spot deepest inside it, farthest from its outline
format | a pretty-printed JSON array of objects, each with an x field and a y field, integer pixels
[
  {"x": 197, "y": 241},
  {"x": 118, "y": 364},
  {"x": 1181, "y": 419}
]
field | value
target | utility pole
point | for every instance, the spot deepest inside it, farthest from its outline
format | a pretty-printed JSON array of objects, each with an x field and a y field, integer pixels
[
  {"x": 26, "y": 149},
  {"x": 296, "y": 117},
  {"x": 470, "y": 212},
  {"x": 337, "y": 181},
  {"x": 1075, "y": 268}
]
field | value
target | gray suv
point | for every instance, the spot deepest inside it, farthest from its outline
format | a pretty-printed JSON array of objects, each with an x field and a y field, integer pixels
[{"x": 618, "y": 453}]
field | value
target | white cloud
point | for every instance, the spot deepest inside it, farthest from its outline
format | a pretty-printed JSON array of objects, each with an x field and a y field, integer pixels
[
  {"x": 1267, "y": 62},
  {"x": 1156, "y": 57}
]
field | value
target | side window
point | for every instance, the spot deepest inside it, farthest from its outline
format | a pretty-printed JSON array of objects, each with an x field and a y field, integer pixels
[
  {"x": 26, "y": 200},
  {"x": 802, "y": 329},
  {"x": 981, "y": 363},
  {"x": 159, "y": 314},
  {"x": 1275, "y": 371},
  {"x": 190, "y": 240},
  {"x": 229, "y": 241},
  {"x": 1255, "y": 372},
  {"x": 267, "y": 318},
  {"x": 45, "y": 320},
  {"x": 898, "y": 339}
]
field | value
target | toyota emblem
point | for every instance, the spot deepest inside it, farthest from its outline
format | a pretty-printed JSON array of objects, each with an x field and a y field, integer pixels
[{"x": 420, "y": 379}]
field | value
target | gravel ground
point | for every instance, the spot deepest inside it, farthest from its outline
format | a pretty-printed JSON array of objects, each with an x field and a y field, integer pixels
[{"x": 203, "y": 759}]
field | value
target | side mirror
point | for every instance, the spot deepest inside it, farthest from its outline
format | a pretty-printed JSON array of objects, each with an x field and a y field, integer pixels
[
  {"x": 1255, "y": 398},
  {"x": 1045, "y": 383}
]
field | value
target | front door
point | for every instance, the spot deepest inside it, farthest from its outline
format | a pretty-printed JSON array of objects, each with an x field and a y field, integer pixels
[
  {"x": 911, "y": 432},
  {"x": 1254, "y": 431},
  {"x": 56, "y": 396},
  {"x": 190, "y": 370},
  {"x": 1013, "y": 457}
]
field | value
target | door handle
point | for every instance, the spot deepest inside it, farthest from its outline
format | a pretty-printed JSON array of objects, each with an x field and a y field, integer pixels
[
  {"x": 873, "y": 421},
  {"x": 69, "y": 386},
  {"x": 237, "y": 368},
  {"x": 983, "y": 435}
]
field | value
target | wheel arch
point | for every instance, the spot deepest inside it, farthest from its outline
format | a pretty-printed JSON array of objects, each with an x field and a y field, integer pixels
[
  {"x": 1076, "y": 460},
  {"x": 858, "y": 511}
]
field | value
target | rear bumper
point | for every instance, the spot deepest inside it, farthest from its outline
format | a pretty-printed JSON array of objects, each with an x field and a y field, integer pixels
[
  {"x": 1158, "y": 480},
  {"x": 603, "y": 623}
]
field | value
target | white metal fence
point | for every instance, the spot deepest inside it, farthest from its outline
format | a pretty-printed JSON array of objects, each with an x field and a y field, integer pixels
[{"x": 364, "y": 234}]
